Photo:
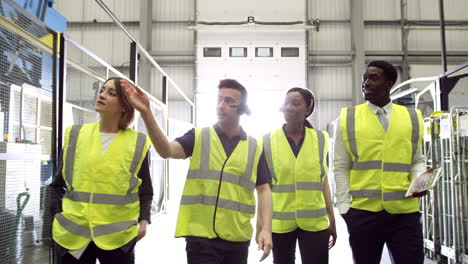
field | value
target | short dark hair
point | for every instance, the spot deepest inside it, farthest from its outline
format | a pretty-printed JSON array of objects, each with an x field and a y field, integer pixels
[
  {"x": 309, "y": 99},
  {"x": 129, "y": 113},
  {"x": 233, "y": 84},
  {"x": 389, "y": 70}
]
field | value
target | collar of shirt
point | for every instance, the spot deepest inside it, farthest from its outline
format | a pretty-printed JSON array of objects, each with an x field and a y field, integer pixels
[
  {"x": 289, "y": 138},
  {"x": 374, "y": 108},
  {"x": 242, "y": 135},
  {"x": 295, "y": 148}
]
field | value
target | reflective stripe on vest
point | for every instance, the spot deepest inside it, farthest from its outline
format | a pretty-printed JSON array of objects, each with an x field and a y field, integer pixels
[
  {"x": 73, "y": 138},
  {"x": 222, "y": 203},
  {"x": 101, "y": 198},
  {"x": 72, "y": 227},
  {"x": 305, "y": 186},
  {"x": 205, "y": 173},
  {"x": 377, "y": 194},
  {"x": 101, "y": 230},
  {"x": 269, "y": 155},
  {"x": 377, "y": 164},
  {"x": 300, "y": 214}
]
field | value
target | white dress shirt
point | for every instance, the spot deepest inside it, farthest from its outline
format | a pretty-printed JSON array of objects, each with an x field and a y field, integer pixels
[{"x": 342, "y": 162}]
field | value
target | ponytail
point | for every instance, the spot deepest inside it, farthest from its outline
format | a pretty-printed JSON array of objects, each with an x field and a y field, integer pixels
[{"x": 307, "y": 123}]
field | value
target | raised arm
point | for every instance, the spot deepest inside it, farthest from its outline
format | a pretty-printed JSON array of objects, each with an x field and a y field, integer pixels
[{"x": 141, "y": 102}]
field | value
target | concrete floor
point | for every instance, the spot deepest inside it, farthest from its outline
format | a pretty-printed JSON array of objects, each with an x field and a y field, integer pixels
[
  {"x": 160, "y": 243},
  {"x": 160, "y": 246}
]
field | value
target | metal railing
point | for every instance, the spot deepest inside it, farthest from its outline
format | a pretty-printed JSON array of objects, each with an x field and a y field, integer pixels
[
  {"x": 445, "y": 208},
  {"x": 436, "y": 92}
]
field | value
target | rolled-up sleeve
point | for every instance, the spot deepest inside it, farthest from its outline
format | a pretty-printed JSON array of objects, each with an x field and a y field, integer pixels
[{"x": 418, "y": 164}]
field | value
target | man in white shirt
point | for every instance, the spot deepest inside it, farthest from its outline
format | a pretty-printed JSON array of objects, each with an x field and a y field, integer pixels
[{"x": 377, "y": 152}]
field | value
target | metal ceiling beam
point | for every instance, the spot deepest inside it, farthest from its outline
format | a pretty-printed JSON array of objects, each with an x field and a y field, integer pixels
[{"x": 357, "y": 45}]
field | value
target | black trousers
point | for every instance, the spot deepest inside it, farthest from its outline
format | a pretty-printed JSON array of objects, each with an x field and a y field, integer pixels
[
  {"x": 313, "y": 246},
  {"x": 369, "y": 231},
  {"x": 207, "y": 252},
  {"x": 122, "y": 255}
]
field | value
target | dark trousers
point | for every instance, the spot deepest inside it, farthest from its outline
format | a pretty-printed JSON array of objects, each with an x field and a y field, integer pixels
[
  {"x": 313, "y": 246},
  {"x": 122, "y": 255},
  {"x": 206, "y": 252},
  {"x": 369, "y": 231}
]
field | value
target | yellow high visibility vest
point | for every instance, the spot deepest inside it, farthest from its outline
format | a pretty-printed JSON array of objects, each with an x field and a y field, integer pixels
[
  {"x": 298, "y": 199},
  {"x": 101, "y": 203},
  {"x": 380, "y": 174},
  {"x": 218, "y": 198}
]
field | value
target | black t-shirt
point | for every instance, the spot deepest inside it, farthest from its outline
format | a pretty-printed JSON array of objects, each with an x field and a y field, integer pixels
[
  {"x": 296, "y": 148},
  {"x": 187, "y": 141}
]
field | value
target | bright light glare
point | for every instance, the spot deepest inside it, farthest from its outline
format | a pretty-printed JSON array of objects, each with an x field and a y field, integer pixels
[
  {"x": 265, "y": 112},
  {"x": 264, "y": 106}
]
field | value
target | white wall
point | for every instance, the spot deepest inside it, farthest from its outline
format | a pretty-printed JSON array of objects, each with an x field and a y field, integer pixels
[{"x": 265, "y": 78}]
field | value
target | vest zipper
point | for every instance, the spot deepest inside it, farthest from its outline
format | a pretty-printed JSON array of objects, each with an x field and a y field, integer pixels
[{"x": 217, "y": 196}]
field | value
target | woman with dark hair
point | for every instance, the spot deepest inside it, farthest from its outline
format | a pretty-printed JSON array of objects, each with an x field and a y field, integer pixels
[
  {"x": 302, "y": 208},
  {"x": 101, "y": 193}
]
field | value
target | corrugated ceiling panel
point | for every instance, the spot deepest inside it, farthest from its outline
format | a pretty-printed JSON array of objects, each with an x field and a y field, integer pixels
[
  {"x": 75, "y": 32},
  {"x": 92, "y": 10},
  {"x": 429, "y": 9},
  {"x": 173, "y": 10},
  {"x": 71, "y": 10},
  {"x": 326, "y": 112},
  {"x": 381, "y": 10},
  {"x": 382, "y": 37},
  {"x": 182, "y": 75},
  {"x": 172, "y": 37},
  {"x": 98, "y": 39},
  {"x": 331, "y": 83},
  {"x": 332, "y": 36},
  {"x": 126, "y": 10},
  {"x": 457, "y": 40},
  {"x": 429, "y": 40},
  {"x": 427, "y": 70},
  {"x": 329, "y": 9},
  {"x": 121, "y": 45}
]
